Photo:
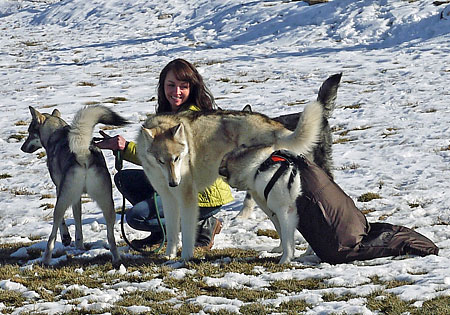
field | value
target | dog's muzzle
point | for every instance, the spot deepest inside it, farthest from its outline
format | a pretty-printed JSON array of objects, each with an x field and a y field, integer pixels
[{"x": 223, "y": 171}]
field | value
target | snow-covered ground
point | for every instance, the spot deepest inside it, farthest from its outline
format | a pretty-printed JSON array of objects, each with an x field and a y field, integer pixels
[{"x": 391, "y": 125}]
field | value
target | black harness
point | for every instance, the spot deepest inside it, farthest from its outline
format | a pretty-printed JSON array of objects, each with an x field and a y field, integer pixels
[{"x": 285, "y": 159}]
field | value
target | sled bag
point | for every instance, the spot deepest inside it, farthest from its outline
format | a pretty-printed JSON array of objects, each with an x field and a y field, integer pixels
[{"x": 338, "y": 232}]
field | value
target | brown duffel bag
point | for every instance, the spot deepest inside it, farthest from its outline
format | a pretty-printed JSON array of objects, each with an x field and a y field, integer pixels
[{"x": 338, "y": 232}]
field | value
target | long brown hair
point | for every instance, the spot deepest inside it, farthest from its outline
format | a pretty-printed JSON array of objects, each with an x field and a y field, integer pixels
[{"x": 199, "y": 94}]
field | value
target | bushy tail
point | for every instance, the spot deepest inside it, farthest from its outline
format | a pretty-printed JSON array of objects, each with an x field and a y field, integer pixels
[
  {"x": 327, "y": 94},
  {"x": 82, "y": 127},
  {"x": 307, "y": 133}
]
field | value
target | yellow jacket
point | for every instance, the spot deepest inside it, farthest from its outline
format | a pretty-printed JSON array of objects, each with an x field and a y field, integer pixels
[{"x": 218, "y": 194}]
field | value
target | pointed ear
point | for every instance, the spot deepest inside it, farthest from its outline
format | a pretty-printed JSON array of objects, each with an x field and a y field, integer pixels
[
  {"x": 178, "y": 131},
  {"x": 247, "y": 108},
  {"x": 148, "y": 134},
  {"x": 56, "y": 113},
  {"x": 36, "y": 115}
]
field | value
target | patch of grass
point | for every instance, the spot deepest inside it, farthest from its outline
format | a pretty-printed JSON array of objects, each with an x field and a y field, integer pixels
[
  {"x": 269, "y": 233},
  {"x": 46, "y": 196},
  {"x": 386, "y": 303},
  {"x": 145, "y": 298},
  {"x": 297, "y": 102},
  {"x": 447, "y": 148},
  {"x": 84, "y": 83},
  {"x": 254, "y": 308},
  {"x": 5, "y": 175},
  {"x": 332, "y": 297},
  {"x": 115, "y": 100},
  {"x": 383, "y": 217},
  {"x": 366, "y": 197},
  {"x": 293, "y": 307},
  {"x": 21, "y": 192},
  {"x": 355, "y": 106},
  {"x": 91, "y": 103},
  {"x": 342, "y": 140},
  {"x": 72, "y": 294},
  {"x": 293, "y": 285},
  {"x": 351, "y": 166},
  {"x": 367, "y": 211},
  {"x": 106, "y": 128},
  {"x": 389, "y": 284},
  {"x": 17, "y": 137},
  {"x": 438, "y": 306},
  {"x": 259, "y": 81},
  {"x": 41, "y": 154},
  {"x": 47, "y": 206},
  {"x": 20, "y": 123},
  {"x": 389, "y": 132},
  {"x": 11, "y": 298},
  {"x": 30, "y": 43}
]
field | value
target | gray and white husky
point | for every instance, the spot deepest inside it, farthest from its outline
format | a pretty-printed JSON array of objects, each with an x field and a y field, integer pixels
[
  {"x": 322, "y": 152},
  {"x": 181, "y": 154},
  {"x": 76, "y": 166}
]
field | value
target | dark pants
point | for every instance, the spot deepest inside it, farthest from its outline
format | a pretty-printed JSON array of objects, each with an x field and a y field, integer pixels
[{"x": 136, "y": 188}]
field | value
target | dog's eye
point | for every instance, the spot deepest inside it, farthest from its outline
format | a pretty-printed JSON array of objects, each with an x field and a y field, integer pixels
[
  {"x": 161, "y": 161},
  {"x": 176, "y": 159}
]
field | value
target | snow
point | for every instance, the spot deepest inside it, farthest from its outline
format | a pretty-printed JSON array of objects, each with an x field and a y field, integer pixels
[{"x": 393, "y": 101}]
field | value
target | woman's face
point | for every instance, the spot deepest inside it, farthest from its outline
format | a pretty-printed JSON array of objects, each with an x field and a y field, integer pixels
[{"x": 177, "y": 92}]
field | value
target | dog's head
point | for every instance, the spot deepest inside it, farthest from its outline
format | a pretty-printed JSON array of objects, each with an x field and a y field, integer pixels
[
  {"x": 239, "y": 166},
  {"x": 40, "y": 129},
  {"x": 166, "y": 149}
]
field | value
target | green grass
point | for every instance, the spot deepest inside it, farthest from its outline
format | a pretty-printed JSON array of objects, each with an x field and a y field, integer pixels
[
  {"x": 51, "y": 284},
  {"x": 369, "y": 196}
]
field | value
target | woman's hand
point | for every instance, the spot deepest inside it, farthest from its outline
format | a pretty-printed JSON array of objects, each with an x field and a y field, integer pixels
[{"x": 112, "y": 143}]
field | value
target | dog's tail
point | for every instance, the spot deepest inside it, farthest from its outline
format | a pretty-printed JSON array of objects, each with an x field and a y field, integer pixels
[
  {"x": 307, "y": 133},
  {"x": 327, "y": 94},
  {"x": 82, "y": 127}
]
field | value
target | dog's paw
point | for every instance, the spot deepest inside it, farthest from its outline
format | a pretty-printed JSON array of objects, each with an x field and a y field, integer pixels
[
  {"x": 278, "y": 249},
  {"x": 66, "y": 240},
  {"x": 284, "y": 260},
  {"x": 46, "y": 259},
  {"x": 175, "y": 264}
]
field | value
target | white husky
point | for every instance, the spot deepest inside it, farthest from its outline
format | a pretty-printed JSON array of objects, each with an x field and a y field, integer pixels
[{"x": 181, "y": 154}]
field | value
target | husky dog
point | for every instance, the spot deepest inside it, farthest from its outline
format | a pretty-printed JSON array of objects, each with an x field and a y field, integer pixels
[
  {"x": 322, "y": 153},
  {"x": 76, "y": 167},
  {"x": 181, "y": 154},
  {"x": 273, "y": 182}
]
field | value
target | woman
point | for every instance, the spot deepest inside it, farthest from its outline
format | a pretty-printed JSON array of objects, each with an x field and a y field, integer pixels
[{"x": 180, "y": 88}]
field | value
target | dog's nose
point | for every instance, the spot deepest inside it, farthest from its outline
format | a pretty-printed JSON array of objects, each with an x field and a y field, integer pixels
[{"x": 223, "y": 171}]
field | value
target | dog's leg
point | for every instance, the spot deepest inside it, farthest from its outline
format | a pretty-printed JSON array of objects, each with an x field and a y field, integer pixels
[
  {"x": 63, "y": 229},
  {"x": 172, "y": 216},
  {"x": 247, "y": 207},
  {"x": 58, "y": 215},
  {"x": 99, "y": 187},
  {"x": 76, "y": 210},
  {"x": 189, "y": 219},
  {"x": 288, "y": 223},
  {"x": 276, "y": 223},
  {"x": 64, "y": 233},
  {"x": 69, "y": 192}
]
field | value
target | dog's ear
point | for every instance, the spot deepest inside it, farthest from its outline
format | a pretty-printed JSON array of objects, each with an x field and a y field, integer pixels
[
  {"x": 56, "y": 113},
  {"x": 148, "y": 134},
  {"x": 178, "y": 131},
  {"x": 36, "y": 115},
  {"x": 247, "y": 108}
]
